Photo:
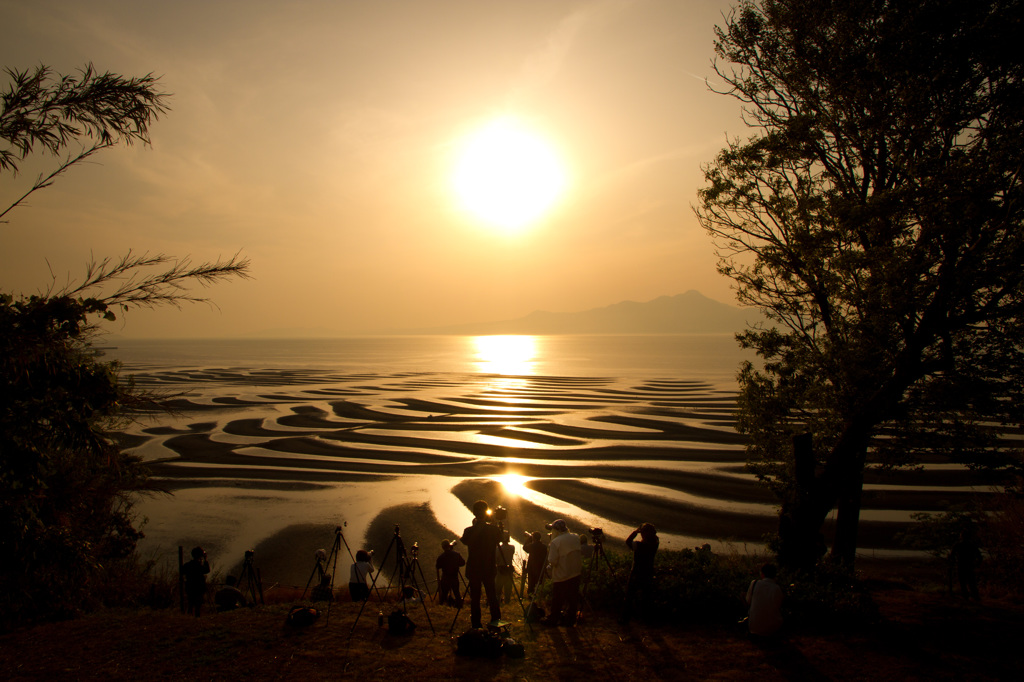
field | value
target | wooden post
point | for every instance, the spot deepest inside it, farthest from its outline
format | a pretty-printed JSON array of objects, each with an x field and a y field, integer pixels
[{"x": 181, "y": 577}]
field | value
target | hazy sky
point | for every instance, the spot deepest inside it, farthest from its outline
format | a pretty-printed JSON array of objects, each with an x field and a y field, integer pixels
[{"x": 320, "y": 137}]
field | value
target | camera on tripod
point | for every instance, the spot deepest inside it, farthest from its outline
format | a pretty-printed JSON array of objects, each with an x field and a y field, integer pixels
[
  {"x": 597, "y": 535},
  {"x": 500, "y": 514}
]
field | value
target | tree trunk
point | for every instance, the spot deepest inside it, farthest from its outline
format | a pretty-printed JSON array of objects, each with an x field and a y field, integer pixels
[
  {"x": 801, "y": 543},
  {"x": 844, "y": 546}
]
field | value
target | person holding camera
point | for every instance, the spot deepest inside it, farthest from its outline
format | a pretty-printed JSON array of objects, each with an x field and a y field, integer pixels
[
  {"x": 481, "y": 540},
  {"x": 447, "y": 565},
  {"x": 358, "y": 587},
  {"x": 536, "y": 560},
  {"x": 504, "y": 581},
  {"x": 641, "y": 575},
  {"x": 195, "y": 572},
  {"x": 566, "y": 567}
]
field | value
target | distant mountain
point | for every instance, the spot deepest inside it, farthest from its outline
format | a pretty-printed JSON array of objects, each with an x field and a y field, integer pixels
[{"x": 689, "y": 313}]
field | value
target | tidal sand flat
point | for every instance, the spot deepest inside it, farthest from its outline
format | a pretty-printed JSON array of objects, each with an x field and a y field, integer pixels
[{"x": 277, "y": 459}]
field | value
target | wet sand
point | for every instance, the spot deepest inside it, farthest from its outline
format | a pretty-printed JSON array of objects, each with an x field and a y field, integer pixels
[{"x": 595, "y": 451}]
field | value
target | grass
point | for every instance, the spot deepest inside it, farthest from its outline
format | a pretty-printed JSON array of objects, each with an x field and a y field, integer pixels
[{"x": 919, "y": 632}]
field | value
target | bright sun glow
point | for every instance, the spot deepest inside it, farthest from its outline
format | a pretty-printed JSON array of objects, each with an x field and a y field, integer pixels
[
  {"x": 507, "y": 175},
  {"x": 509, "y": 355},
  {"x": 514, "y": 484}
]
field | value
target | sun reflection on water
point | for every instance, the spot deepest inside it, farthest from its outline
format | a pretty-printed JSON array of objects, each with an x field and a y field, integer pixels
[
  {"x": 508, "y": 355},
  {"x": 514, "y": 484}
]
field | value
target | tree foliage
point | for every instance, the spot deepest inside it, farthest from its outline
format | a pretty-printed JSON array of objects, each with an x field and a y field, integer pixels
[
  {"x": 875, "y": 218},
  {"x": 66, "y": 488}
]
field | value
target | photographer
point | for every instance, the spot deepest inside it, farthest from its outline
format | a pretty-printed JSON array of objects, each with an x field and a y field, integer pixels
[
  {"x": 195, "y": 572},
  {"x": 537, "y": 558},
  {"x": 504, "y": 581},
  {"x": 566, "y": 567},
  {"x": 641, "y": 576},
  {"x": 447, "y": 566},
  {"x": 358, "y": 587},
  {"x": 481, "y": 539}
]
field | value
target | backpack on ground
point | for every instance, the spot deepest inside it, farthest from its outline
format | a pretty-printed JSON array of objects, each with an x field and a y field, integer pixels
[
  {"x": 302, "y": 616},
  {"x": 479, "y": 643},
  {"x": 400, "y": 624}
]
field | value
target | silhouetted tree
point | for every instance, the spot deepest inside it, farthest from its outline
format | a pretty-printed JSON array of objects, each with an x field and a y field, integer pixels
[
  {"x": 875, "y": 218},
  {"x": 66, "y": 488}
]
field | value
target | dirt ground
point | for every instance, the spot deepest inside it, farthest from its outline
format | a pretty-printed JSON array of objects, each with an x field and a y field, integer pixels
[{"x": 923, "y": 634}]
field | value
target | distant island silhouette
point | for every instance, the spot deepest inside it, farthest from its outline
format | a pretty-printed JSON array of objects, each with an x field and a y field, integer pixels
[{"x": 688, "y": 313}]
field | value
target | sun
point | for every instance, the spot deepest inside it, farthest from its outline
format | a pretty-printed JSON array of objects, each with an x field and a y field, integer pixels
[{"x": 507, "y": 175}]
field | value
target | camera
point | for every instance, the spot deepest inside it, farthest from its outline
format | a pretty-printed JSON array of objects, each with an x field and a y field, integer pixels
[
  {"x": 597, "y": 534},
  {"x": 500, "y": 513},
  {"x": 249, "y": 554}
]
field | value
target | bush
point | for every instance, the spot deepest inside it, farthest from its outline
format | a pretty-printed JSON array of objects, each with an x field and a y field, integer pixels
[
  {"x": 702, "y": 587},
  {"x": 66, "y": 508},
  {"x": 690, "y": 586},
  {"x": 829, "y": 595}
]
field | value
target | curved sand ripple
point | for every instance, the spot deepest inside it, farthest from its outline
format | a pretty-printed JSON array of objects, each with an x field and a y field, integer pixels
[{"x": 596, "y": 450}]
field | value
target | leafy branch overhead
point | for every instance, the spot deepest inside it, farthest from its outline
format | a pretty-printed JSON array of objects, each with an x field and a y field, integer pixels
[
  {"x": 120, "y": 283},
  {"x": 53, "y": 111},
  {"x": 67, "y": 486},
  {"x": 72, "y": 117}
]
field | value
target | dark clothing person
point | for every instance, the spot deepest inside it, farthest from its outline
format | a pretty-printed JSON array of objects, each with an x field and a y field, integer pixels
[
  {"x": 481, "y": 539},
  {"x": 536, "y": 559},
  {"x": 641, "y": 576},
  {"x": 323, "y": 591},
  {"x": 504, "y": 581},
  {"x": 565, "y": 602},
  {"x": 765, "y": 598},
  {"x": 195, "y": 572},
  {"x": 447, "y": 565}
]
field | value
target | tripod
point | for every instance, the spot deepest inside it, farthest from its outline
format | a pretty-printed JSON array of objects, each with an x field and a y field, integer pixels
[
  {"x": 323, "y": 560},
  {"x": 405, "y": 569},
  {"x": 251, "y": 578},
  {"x": 595, "y": 561}
]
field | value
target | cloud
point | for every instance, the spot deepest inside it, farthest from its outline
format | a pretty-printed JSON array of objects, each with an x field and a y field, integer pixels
[{"x": 543, "y": 66}]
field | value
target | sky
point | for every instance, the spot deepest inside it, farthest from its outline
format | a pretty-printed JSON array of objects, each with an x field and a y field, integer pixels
[{"x": 320, "y": 139}]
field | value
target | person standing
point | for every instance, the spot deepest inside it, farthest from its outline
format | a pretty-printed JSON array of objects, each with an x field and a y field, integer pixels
[
  {"x": 447, "y": 566},
  {"x": 536, "y": 560},
  {"x": 765, "y": 598},
  {"x": 641, "y": 575},
  {"x": 481, "y": 540},
  {"x": 504, "y": 581},
  {"x": 566, "y": 566},
  {"x": 195, "y": 572}
]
